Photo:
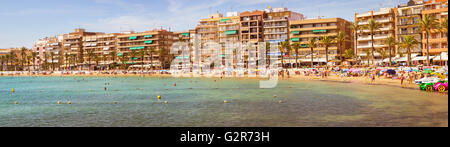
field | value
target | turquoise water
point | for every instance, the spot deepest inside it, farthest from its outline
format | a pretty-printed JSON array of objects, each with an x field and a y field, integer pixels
[{"x": 200, "y": 103}]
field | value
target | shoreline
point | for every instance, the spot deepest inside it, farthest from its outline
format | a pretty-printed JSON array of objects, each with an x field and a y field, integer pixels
[{"x": 349, "y": 80}]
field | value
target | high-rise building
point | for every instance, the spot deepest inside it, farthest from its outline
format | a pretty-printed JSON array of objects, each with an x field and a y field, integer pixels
[
  {"x": 276, "y": 24},
  {"x": 407, "y": 20},
  {"x": 386, "y": 18},
  {"x": 73, "y": 45},
  {"x": 156, "y": 41},
  {"x": 303, "y": 30},
  {"x": 252, "y": 28},
  {"x": 100, "y": 46},
  {"x": 437, "y": 40}
]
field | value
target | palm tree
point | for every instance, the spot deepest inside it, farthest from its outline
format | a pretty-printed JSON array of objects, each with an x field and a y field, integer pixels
[
  {"x": 341, "y": 38},
  {"x": 162, "y": 56},
  {"x": 66, "y": 56},
  {"x": 29, "y": 58},
  {"x": 133, "y": 54},
  {"x": 124, "y": 59},
  {"x": 372, "y": 26},
  {"x": 23, "y": 53},
  {"x": 142, "y": 53},
  {"x": 326, "y": 41},
  {"x": 7, "y": 57},
  {"x": 407, "y": 44},
  {"x": 2, "y": 59},
  {"x": 12, "y": 58},
  {"x": 296, "y": 46},
  {"x": 368, "y": 53},
  {"x": 283, "y": 49},
  {"x": 97, "y": 60},
  {"x": 427, "y": 23},
  {"x": 33, "y": 55},
  {"x": 355, "y": 28},
  {"x": 113, "y": 56},
  {"x": 312, "y": 44},
  {"x": 349, "y": 53},
  {"x": 267, "y": 53},
  {"x": 390, "y": 42},
  {"x": 383, "y": 53},
  {"x": 52, "y": 56},
  {"x": 104, "y": 58},
  {"x": 151, "y": 50},
  {"x": 90, "y": 54},
  {"x": 443, "y": 27}
]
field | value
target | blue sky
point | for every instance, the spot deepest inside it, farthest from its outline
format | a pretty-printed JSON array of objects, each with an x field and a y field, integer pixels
[{"x": 22, "y": 22}]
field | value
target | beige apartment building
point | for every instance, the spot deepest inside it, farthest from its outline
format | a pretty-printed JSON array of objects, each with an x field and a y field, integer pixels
[
  {"x": 208, "y": 29},
  {"x": 407, "y": 22},
  {"x": 158, "y": 41},
  {"x": 73, "y": 46},
  {"x": 437, "y": 40},
  {"x": 252, "y": 26},
  {"x": 303, "y": 30},
  {"x": 385, "y": 17},
  {"x": 276, "y": 24},
  {"x": 101, "y": 46}
]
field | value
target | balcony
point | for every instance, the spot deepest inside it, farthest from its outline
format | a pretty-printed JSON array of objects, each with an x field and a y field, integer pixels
[{"x": 369, "y": 45}]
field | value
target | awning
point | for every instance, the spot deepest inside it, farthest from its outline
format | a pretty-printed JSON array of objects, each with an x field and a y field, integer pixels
[
  {"x": 148, "y": 42},
  {"x": 295, "y": 32},
  {"x": 233, "y": 32},
  {"x": 119, "y": 54},
  {"x": 185, "y": 34},
  {"x": 133, "y": 37},
  {"x": 223, "y": 20},
  {"x": 135, "y": 58},
  {"x": 304, "y": 45},
  {"x": 137, "y": 48},
  {"x": 295, "y": 39},
  {"x": 148, "y": 36},
  {"x": 422, "y": 58},
  {"x": 319, "y": 31}
]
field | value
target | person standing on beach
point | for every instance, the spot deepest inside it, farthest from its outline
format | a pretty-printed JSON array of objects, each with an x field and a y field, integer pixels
[{"x": 402, "y": 78}]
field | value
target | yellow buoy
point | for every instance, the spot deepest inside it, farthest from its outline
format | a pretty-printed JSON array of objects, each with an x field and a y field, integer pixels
[
  {"x": 69, "y": 102},
  {"x": 225, "y": 101},
  {"x": 159, "y": 97},
  {"x": 274, "y": 96},
  {"x": 16, "y": 102},
  {"x": 59, "y": 102},
  {"x": 115, "y": 102},
  {"x": 12, "y": 90}
]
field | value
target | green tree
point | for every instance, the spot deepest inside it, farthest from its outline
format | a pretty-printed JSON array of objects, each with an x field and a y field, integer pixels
[
  {"x": 355, "y": 28},
  {"x": 312, "y": 43},
  {"x": 90, "y": 54},
  {"x": 428, "y": 23},
  {"x": 326, "y": 41},
  {"x": 372, "y": 26},
  {"x": 284, "y": 47},
  {"x": 390, "y": 42},
  {"x": 408, "y": 44},
  {"x": 296, "y": 47},
  {"x": 341, "y": 38}
]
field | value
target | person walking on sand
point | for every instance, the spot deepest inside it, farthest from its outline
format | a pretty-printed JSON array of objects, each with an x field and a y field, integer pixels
[{"x": 402, "y": 78}]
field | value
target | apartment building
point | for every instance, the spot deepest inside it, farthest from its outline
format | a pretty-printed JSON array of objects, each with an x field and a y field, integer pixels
[
  {"x": 407, "y": 20},
  {"x": 276, "y": 24},
  {"x": 385, "y": 17},
  {"x": 208, "y": 29},
  {"x": 53, "y": 52},
  {"x": 158, "y": 41},
  {"x": 229, "y": 28},
  {"x": 73, "y": 45},
  {"x": 101, "y": 46},
  {"x": 251, "y": 27},
  {"x": 304, "y": 30},
  {"x": 437, "y": 40}
]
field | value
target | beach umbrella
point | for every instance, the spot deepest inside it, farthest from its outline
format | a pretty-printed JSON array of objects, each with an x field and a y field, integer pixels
[
  {"x": 427, "y": 71},
  {"x": 391, "y": 72}
]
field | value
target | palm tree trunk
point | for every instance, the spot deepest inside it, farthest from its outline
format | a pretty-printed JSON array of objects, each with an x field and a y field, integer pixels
[
  {"x": 373, "y": 48},
  {"x": 390, "y": 56},
  {"x": 312, "y": 57},
  {"x": 409, "y": 57},
  {"x": 428, "y": 50},
  {"x": 326, "y": 54},
  {"x": 296, "y": 59}
]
